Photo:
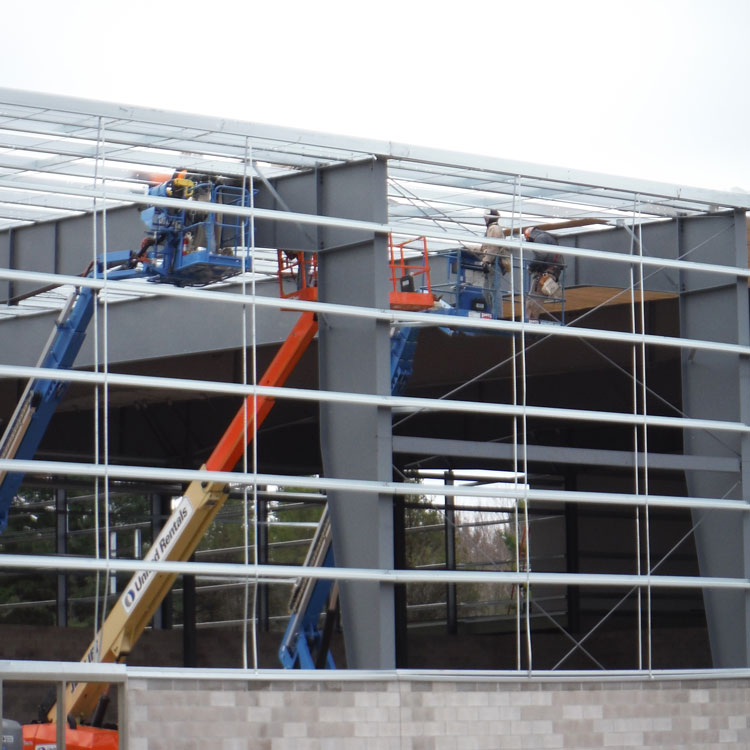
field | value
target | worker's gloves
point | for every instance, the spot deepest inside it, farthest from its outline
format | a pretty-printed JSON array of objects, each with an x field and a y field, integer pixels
[{"x": 548, "y": 285}]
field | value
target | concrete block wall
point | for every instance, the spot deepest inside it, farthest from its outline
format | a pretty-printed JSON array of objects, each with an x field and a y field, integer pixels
[{"x": 399, "y": 712}]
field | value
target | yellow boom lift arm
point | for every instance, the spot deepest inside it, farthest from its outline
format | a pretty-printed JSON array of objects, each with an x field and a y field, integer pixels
[{"x": 182, "y": 533}]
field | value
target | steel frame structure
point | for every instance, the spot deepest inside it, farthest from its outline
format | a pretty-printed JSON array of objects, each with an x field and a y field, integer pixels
[{"x": 65, "y": 160}]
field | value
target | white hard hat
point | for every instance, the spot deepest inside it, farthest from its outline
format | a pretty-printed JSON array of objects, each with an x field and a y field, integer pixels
[{"x": 491, "y": 215}]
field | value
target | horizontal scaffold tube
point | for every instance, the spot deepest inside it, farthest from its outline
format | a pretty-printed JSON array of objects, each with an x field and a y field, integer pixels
[
  {"x": 252, "y": 571},
  {"x": 400, "y": 317},
  {"x": 394, "y": 402},
  {"x": 507, "y": 491}
]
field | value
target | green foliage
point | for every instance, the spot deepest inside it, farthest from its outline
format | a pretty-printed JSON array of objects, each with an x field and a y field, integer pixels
[
  {"x": 291, "y": 527},
  {"x": 28, "y": 533},
  {"x": 227, "y": 533},
  {"x": 483, "y": 547},
  {"x": 32, "y": 531},
  {"x": 484, "y": 541},
  {"x": 424, "y": 550},
  {"x": 287, "y": 545}
]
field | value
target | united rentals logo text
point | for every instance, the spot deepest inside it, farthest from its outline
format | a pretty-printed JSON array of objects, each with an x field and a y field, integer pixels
[{"x": 159, "y": 550}]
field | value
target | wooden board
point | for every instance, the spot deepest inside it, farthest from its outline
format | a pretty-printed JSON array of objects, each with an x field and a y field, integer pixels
[{"x": 588, "y": 297}]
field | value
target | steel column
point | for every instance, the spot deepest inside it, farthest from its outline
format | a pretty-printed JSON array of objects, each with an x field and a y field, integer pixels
[
  {"x": 450, "y": 557},
  {"x": 61, "y": 548},
  {"x": 189, "y": 630},
  {"x": 262, "y": 545},
  {"x": 355, "y": 438}
]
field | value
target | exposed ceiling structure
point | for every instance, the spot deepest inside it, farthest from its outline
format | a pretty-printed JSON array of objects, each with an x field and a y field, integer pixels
[{"x": 63, "y": 157}]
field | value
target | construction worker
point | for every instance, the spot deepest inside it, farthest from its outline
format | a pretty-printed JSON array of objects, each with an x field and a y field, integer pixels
[
  {"x": 491, "y": 252},
  {"x": 491, "y": 258},
  {"x": 544, "y": 270}
]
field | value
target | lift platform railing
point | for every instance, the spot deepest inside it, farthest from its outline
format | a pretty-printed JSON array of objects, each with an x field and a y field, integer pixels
[
  {"x": 467, "y": 289},
  {"x": 409, "y": 272},
  {"x": 411, "y": 288},
  {"x": 303, "y": 269},
  {"x": 191, "y": 247},
  {"x": 473, "y": 288}
]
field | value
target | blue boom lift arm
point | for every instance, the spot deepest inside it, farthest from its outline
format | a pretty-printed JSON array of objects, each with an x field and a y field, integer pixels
[
  {"x": 305, "y": 645},
  {"x": 183, "y": 247}
]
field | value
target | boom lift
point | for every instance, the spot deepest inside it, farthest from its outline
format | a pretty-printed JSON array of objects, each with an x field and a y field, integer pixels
[
  {"x": 176, "y": 237},
  {"x": 183, "y": 247},
  {"x": 304, "y": 645},
  {"x": 195, "y": 510},
  {"x": 476, "y": 290},
  {"x": 178, "y": 539}
]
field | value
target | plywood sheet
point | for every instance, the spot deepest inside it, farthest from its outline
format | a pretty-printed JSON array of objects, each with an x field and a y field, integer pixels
[{"x": 588, "y": 297}]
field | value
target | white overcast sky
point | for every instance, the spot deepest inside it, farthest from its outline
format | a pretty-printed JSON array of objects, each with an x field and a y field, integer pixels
[{"x": 656, "y": 89}]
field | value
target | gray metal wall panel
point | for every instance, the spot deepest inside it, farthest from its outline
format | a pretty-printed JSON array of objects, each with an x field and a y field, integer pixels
[
  {"x": 36, "y": 248},
  {"x": 658, "y": 240},
  {"x": 76, "y": 244},
  {"x": 298, "y": 193},
  {"x": 587, "y": 272},
  {"x": 33, "y": 250},
  {"x": 152, "y": 327},
  {"x": 710, "y": 239},
  {"x": 22, "y": 339},
  {"x": 320, "y": 192},
  {"x": 714, "y": 388}
]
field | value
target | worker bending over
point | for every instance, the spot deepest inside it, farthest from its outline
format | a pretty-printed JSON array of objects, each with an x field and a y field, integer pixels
[{"x": 544, "y": 270}]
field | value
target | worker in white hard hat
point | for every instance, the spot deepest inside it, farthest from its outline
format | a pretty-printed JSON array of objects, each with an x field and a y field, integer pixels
[
  {"x": 493, "y": 258},
  {"x": 545, "y": 269},
  {"x": 489, "y": 253}
]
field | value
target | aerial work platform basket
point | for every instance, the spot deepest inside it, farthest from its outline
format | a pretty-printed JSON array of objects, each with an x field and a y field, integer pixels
[
  {"x": 187, "y": 247},
  {"x": 475, "y": 289},
  {"x": 409, "y": 273}
]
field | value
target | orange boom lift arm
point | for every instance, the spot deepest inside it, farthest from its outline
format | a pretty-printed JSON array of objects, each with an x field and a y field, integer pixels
[{"x": 182, "y": 533}]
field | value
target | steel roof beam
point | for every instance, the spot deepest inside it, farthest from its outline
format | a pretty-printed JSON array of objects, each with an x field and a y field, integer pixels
[{"x": 77, "y": 110}]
